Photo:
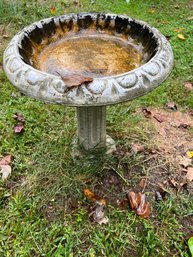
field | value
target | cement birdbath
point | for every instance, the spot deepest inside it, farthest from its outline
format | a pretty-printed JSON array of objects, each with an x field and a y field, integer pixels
[{"x": 88, "y": 61}]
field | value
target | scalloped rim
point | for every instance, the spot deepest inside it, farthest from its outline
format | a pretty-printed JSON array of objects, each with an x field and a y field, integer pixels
[{"x": 102, "y": 91}]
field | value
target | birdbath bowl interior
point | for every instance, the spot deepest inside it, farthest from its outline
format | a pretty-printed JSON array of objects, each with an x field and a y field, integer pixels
[{"x": 88, "y": 60}]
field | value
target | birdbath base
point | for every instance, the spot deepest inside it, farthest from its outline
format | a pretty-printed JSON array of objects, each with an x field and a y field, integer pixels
[
  {"x": 91, "y": 132},
  {"x": 78, "y": 152}
]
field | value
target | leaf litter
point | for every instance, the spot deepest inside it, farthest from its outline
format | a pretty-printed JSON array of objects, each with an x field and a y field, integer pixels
[
  {"x": 139, "y": 204},
  {"x": 98, "y": 212},
  {"x": 168, "y": 154},
  {"x": 20, "y": 119},
  {"x": 5, "y": 166}
]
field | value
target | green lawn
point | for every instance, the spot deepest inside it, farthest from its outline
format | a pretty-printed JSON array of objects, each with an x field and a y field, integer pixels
[{"x": 43, "y": 211}]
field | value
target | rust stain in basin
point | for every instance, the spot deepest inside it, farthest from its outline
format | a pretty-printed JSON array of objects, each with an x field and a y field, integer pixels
[{"x": 91, "y": 55}]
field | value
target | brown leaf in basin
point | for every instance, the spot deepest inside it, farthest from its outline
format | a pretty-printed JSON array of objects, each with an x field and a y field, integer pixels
[{"x": 75, "y": 79}]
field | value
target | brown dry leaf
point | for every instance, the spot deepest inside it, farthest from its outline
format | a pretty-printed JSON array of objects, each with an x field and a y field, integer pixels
[
  {"x": 92, "y": 196},
  {"x": 133, "y": 200},
  {"x": 146, "y": 112},
  {"x": 139, "y": 204},
  {"x": 19, "y": 117},
  {"x": 6, "y": 160},
  {"x": 137, "y": 148},
  {"x": 143, "y": 209},
  {"x": 189, "y": 174},
  {"x": 73, "y": 78},
  {"x": 158, "y": 117},
  {"x": 184, "y": 161},
  {"x": 142, "y": 183},
  {"x": 19, "y": 128},
  {"x": 188, "y": 85},
  {"x": 183, "y": 125},
  {"x": 174, "y": 182},
  {"x": 172, "y": 106}
]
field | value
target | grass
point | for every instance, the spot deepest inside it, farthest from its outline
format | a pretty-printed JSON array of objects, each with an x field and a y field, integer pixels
[{"x": 43, "y": 210}]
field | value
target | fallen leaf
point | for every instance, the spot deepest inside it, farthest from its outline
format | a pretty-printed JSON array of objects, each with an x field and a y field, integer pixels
[
  {"x": 92, "y": 196},
  {"x": 146, "y": 112},
  {"x": 19, "y": 128},
  {"x": 189, "y": 174},
  {"x": 159, "y": 117},
  {"x": 137, "y": 148},
  {"x": 190, "y": 245},
  {"x": 189, "y": 154},
  {"x": 179, "y": 30},
  {"x": 5, "y": 36},
  {"x": 143, "y": 209},
  {"x": 174, "y": 182},
  {"x": 142, "y": 183},
  {"x": 151, "y": 10},
  {"x": 99, "y": 215},
  {"x": 188, "y": 85},
  {"x": 181, "y": 36},
  {"x": 5, "y": 170},
  {"x": 74, "y": 79},
  {"x": 139, "y": 204},
  {"x": 172, "y": 106},
  {"x": 183, "y": 125},
  {"x": 184, "y": 161},
  {"x": 134, "y": 200},
  {"x": 19, "y": 117},
  {"x": 53, "y": 10},
  {"x": 6, "y": 160}
]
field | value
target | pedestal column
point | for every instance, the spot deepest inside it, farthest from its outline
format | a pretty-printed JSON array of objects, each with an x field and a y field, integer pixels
[{"x": 91, "y": 127}]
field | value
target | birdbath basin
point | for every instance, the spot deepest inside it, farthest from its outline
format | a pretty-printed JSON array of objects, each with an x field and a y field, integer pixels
[{"x": 89, "y": 61}]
